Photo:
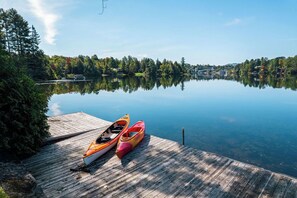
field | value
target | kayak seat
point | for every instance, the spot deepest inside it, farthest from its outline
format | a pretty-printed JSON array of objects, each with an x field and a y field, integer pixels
[
  {"x": 113, "y": 136},
  {"x": 116, "y": 131},
  {"x": 118, "y": 128},
  {"x": 106, "y": 139},
  {"x": 102, "y": 140}
]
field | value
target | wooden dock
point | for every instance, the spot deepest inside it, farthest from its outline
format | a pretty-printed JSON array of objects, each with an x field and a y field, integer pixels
[{"x": 156, "y": 168}]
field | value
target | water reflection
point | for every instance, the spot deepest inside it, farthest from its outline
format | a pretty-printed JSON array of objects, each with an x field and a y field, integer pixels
[
  {"x": 127, "y": 84},
  {"x": 271, "y": 81},
  {"x": 258, "y": 81},
  {"x": 132, "y": 83}
]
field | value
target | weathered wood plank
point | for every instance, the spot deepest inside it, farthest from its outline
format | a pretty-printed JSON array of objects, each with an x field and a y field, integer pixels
[
  {"x": 124, "y": 175},
  {"x": 168, "y": 176},
  {"x": 168, "y": 173},
  {"x": 176, "y": 186},
  {"x": 61, "y": 170},
  {"x": 156, "y": 168},
  {"x": 75, "y": 122},
  {"x": 216, "y": 187},
  {"x": 103, "y": 171},
  {"x": 291, "y": 190}
]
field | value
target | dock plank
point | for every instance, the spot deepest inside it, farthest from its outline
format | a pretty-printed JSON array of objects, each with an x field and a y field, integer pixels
[
  {"x": 156, "y": 168},
  {"x": 73, "y": 123}
]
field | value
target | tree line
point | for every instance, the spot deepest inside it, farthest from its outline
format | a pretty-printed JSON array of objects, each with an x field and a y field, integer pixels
[
  {"x": 93, "y": 66},
  {"x": 280, "y": 66},
  {"x": 21, "y": 41}
]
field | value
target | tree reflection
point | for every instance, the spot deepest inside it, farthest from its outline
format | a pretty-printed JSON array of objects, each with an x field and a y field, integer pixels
[
  {"x": 127, "y": 84},
  {"x": 259, "y": 81},
  {"x": 132, "y": 83},
  {"x": 262, "y": 81}
]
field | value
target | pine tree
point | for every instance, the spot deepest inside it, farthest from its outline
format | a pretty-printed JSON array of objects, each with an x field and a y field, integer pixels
[
  {"x": 2, "y": 35},
  {"x": 37, "y": 64},
  {"x": 5, "y": 26},
  {"x": 36, "y": 60},
  {"x": 18, "y": 32},
  {"x": 34, "y": 41},
  {"x": 183, "y": 62}
]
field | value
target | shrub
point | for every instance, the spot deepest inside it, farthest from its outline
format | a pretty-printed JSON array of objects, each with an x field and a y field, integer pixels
[{"x": 23, "y": 122}]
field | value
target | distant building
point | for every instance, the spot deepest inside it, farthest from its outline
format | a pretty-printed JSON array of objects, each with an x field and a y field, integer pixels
[{"x": 79, "y": 77}]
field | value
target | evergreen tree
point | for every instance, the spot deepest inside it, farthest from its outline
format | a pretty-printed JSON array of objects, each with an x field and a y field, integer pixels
[
  {"x": 34, "y": 41},
  {"x": 36, "y": 60},
  {"x": 183, "y": 62},
  {"x": 23, "y": 122},
  {"x": 38, "y": 65},
  {"x": 124, "y": 65},
  {"x": 18, "y": 32},
  {"x": 2, "y": 41},
  {"x": 2, "y": 29},
  {"x": 158, "y": 65}
]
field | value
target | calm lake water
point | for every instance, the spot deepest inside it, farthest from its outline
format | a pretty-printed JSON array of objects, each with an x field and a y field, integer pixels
[{"x": 249, "y": 124}]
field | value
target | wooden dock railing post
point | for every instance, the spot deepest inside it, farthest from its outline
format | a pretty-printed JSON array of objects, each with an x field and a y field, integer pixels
[{"x": 183, "y": 136}]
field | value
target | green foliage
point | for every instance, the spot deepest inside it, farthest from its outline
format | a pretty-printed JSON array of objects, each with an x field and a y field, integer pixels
[
  {"x": 23, "y": 123},
  {"x": 21, "y": 42},
  {"x": 139, "y": 74},
  {"x": 280, "y": 66},
  {"x": 95, "y": 67},
  {"x": 16, "y": 31},
  {"x": 37, "y": 65},
  {"x": 2, "y": 193}
]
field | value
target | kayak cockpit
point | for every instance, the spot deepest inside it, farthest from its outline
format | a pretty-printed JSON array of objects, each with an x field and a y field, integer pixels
[{"x": 111, "y": 132}]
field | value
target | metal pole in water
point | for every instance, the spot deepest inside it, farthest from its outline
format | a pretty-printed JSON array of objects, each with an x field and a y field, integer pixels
[{"x": 183, "y": 136}]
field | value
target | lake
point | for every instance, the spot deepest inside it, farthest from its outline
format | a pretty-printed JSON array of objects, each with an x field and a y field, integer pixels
[{"x": 245, "y": 123}]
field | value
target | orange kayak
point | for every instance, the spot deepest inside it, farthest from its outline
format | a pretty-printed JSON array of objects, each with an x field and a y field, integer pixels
[
  {"x": 130, "y": 138},
  {"x": 106, "y": 140}
]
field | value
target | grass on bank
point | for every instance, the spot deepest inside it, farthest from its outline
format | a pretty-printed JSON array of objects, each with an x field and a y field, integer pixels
[
  {"x": 139, "y": 74},
  {"x": 3, "y": 194}
]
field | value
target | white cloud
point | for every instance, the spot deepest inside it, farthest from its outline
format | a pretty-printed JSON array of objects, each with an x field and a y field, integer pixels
[
  {"x": 55, "y": 109},
  {"x": 48, "y": 18},
  {"x": 235, "y": 21}
]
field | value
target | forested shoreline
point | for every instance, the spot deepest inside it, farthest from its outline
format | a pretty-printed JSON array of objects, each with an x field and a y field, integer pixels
[
  {"x": 281, "y": 66},
  {"x": 93, "y": 66}
]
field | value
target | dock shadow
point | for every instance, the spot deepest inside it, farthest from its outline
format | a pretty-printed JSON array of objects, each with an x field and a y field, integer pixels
[
  {"x": 101, "y": 161},
  {"x": 138, "y": 150}
]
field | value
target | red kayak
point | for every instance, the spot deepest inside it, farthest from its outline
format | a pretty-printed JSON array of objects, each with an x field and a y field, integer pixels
[{"x": 130, "y": 139}]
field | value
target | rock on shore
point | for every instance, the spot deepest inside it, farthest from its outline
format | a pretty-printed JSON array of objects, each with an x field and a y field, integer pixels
[{"x": 16, "y": 181}]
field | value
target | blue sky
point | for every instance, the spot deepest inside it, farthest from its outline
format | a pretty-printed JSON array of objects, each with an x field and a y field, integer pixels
[{"x": 202, "y": 31}]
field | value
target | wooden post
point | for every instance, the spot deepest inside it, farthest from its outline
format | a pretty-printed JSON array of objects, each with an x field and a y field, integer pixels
[{"x": 183, "y": 136}]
